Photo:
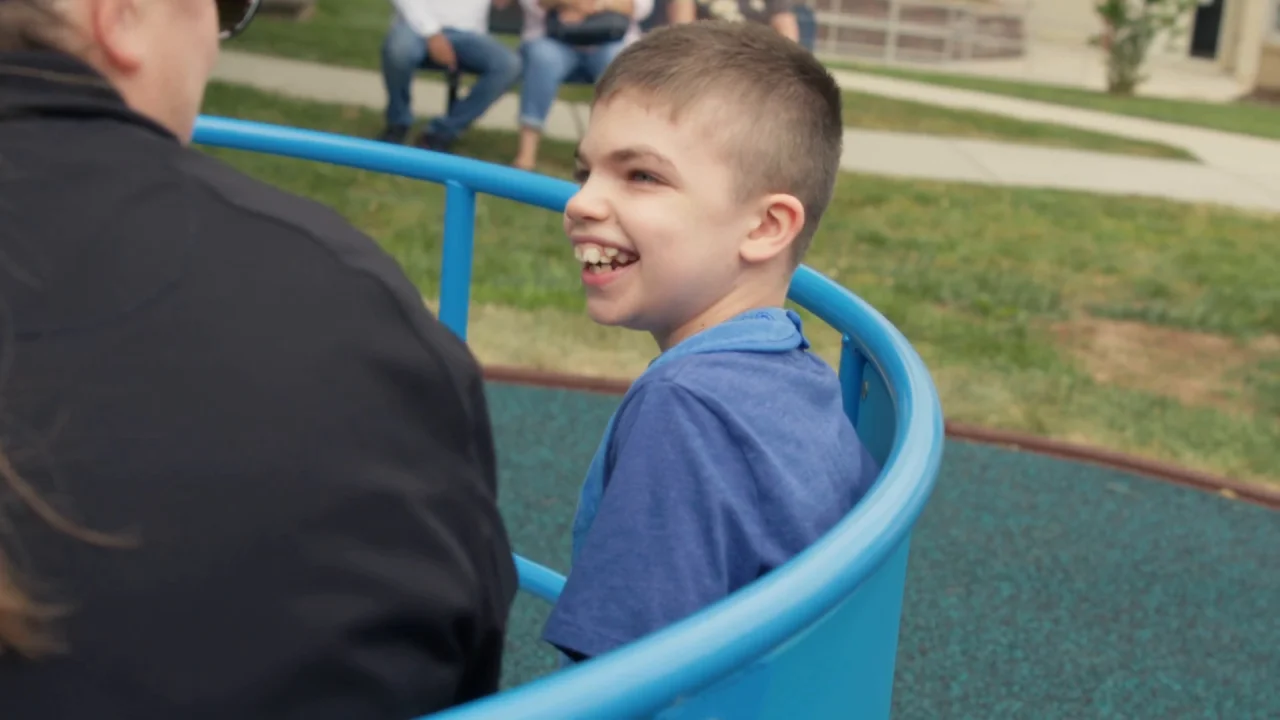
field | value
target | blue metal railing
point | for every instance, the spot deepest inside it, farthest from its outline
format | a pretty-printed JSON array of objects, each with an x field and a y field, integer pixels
[
  {"x": 888, "y": 393},
  {"x": 461, "y": 178}
]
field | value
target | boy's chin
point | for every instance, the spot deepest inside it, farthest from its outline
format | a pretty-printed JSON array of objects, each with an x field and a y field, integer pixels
[
  {"x": 602, "y": 314},
  {"x": 610, "y": 315}
]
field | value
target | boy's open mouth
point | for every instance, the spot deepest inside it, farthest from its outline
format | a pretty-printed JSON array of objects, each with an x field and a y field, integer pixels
[{"x": 601, "y": 258}]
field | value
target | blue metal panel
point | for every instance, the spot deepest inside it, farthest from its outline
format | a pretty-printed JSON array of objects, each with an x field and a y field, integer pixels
[
  {"x": 841, "y": 666},
  {"x": 852, "y": 366},
  {"x": 814, "y": 639},
  {"x": 877, "y": 420}
]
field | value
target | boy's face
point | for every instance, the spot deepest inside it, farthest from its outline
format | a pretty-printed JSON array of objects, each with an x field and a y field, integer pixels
[{"x": 657, "y": 222}]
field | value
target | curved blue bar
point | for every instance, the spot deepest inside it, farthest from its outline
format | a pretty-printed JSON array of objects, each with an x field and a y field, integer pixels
[
  {"x": 642, "y": 678},
  {"x": 858, "y": 566},
  {"x": 538, "y": 579},
  {"x": 440, "y": 168}
]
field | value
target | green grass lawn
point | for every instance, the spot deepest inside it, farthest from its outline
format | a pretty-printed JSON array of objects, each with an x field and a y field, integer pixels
[
  {"x": 1247, "y": 117},
  {"x": 350, "y": 33},
  {"x": 873, "y": 112},
  {"x": 1139, "y": 325}
]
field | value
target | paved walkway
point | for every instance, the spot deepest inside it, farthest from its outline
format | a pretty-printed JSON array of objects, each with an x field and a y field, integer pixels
[
  {"x": 1170, "y": 73},
  {"x": 1239, "y": 153},
  {"x": 1237, "y": 171}
]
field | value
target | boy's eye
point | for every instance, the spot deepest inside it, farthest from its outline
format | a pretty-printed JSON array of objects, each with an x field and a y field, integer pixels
[
  {"x": 641, "y": 176},
  {"x": 580, "y": 175}
]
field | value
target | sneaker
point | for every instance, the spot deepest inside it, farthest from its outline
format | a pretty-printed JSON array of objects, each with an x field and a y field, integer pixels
[
  {"x": 394, "y": 134},
  {"x": 431, "y": 141}
]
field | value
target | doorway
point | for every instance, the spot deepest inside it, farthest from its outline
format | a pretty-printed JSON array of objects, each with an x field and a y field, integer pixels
[{"x": 1205, "y": 29}]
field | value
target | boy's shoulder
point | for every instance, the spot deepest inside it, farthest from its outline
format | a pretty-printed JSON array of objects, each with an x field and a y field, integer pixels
[
  {"x": 742, "y": 376},
  {"x": 698, "y": 372},
  {"x": 739, "y": 387}
]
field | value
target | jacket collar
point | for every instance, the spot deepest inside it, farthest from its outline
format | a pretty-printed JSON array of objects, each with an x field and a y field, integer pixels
[{"x": 51, "y": 83}]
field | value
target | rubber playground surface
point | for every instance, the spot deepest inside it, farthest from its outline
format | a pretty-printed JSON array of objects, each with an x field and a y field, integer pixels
[{"x": 1038, "y": 588}]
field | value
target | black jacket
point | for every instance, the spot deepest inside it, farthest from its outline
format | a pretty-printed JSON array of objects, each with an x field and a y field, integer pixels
[{"x": 249, "y": 388}]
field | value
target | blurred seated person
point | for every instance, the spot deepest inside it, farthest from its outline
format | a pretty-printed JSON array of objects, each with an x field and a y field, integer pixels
[
  {"x": 447, "y": 36},
  {"x": 778, "y": 14},
  {"x": 567, "y": 41}
]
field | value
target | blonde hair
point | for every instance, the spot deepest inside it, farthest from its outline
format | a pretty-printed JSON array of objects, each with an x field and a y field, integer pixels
[
  {"x": 22, "y": 619},
  {"x": 25, "y": 623},
  {"x": 780, "y": 106}
]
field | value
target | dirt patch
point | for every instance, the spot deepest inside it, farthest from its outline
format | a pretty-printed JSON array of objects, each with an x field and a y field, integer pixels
[
  {"x": 551, "y": 340},
  {"x": 1195, "y": 368}
]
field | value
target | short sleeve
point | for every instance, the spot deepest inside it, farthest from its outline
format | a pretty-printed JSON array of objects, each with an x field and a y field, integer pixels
[
  {"x": 641, "y": 10},
  {"x": 669, "y": 536}
]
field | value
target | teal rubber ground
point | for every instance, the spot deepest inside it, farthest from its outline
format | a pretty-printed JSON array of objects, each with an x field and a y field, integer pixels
[{"x": 1038, "y": 588}]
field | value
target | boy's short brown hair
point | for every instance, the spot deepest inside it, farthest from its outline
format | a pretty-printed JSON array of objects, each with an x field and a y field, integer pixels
[{"x": 779, "y": 107}]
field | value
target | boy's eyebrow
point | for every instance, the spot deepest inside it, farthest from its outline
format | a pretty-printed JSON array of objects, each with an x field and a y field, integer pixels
[{"x": 633, "y": 152}]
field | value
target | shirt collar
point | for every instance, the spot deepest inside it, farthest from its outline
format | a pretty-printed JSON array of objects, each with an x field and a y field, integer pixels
[{"x": 50, "y": 83}]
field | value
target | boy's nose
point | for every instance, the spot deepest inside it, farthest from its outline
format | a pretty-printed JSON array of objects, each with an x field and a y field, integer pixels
[{"x": 587, "y": 205}]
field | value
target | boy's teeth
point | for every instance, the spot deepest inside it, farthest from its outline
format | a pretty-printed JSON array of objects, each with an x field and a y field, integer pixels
[{"x": 602, "y": 255}]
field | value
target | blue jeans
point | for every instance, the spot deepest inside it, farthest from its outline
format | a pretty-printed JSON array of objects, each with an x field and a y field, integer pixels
[
  {"x": 404, "y": 52},
  {"x": 808, "y": 26},
  {"x": 549, "y": 63}
]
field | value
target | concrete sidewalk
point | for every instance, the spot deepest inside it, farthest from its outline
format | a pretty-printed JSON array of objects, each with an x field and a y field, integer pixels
[
  {"x": 1229, "y": 151},
  {"x": 1254, "y": 186},
  {"x": 1173, "y": 75},
  {"x": 994, "y": 163}
]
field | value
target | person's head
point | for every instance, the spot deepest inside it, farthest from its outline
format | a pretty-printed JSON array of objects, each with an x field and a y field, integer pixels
[
  {"x": 157, "y": 53},
  {"x": 711, "y": 154}
]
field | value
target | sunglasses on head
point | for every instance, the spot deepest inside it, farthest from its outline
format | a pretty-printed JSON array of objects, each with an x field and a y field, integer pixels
[{"x": 234, "y": 16}]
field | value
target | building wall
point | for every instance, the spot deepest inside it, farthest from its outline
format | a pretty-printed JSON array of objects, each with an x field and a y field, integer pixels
[
  {"x": 1249, "y": 29},
  {"x": 1244, "y": 29},
  {"x": 1268, "y": 78},
  {"x": 1074, "y": 22},
  {"x": 1070, "y": 22},
  {"x": 1229, "y": 42}
]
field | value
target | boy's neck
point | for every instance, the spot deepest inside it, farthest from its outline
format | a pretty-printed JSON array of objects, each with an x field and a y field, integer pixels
[{"x": 727, "y": 308}]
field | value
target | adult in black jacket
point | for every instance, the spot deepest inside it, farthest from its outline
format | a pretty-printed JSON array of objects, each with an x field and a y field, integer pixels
[{"x": 290, "y": 458}]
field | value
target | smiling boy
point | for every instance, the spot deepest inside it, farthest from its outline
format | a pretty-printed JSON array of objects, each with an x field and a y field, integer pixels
[{"x": 711, "y": 154}]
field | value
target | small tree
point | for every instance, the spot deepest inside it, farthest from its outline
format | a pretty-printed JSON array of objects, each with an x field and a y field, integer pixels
[{"x": 1129, "y": 29}]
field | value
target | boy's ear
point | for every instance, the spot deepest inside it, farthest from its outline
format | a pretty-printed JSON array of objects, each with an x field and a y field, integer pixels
[{"x": 779, "y": 221}]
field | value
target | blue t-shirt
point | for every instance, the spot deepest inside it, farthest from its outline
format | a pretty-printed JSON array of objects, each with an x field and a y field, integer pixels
[{"x": 722, "y": 467}]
